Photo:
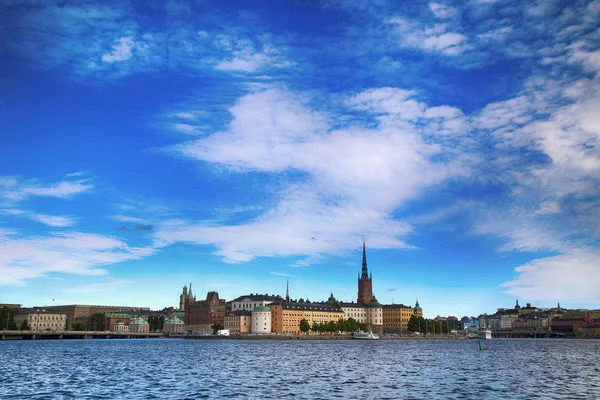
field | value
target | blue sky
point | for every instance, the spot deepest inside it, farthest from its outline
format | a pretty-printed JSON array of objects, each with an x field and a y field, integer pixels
[{"x": 237, "y": 145}]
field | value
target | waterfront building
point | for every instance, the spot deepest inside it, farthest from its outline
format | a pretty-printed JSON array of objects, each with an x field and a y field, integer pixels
[
  {"x": 120, "y": 326},
  {"x": 286, "y": 315},
  {"x": 41, "y": 320},
  {"x": 471, "y": 325},
  {"x": 396, "y": 317},
  {"x": 356, "y": 311},
  {"x": 261, "y": 319},
  {"x": 113, "y": 318},
  {"x": 201, "y": 315},
  {"x": 365, "y": 281},
  {"x": 186, "y": 297},
  {"x": 82, "y": 313},
  {"x": 174, "y": 326},
  {"x": 531, "y": 322},
  {"x": 139, "y": 325},
  {"x": 418, "y": 310},
  {"x": 248, "y": 302},
  {"x": 238, "y": 322}
]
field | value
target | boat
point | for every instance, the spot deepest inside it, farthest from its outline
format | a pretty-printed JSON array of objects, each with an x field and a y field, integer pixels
[
  {"x": 472, "y": 335},
  {"x": 365, "y": 335},
  {"x": 485, "y": 334}
]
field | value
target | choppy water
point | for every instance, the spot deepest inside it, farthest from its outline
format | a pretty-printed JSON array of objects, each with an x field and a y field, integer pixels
[{"x": 216, "y": 369}]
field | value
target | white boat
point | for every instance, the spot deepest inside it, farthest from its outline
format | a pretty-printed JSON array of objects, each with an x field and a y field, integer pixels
[
  {"x": 485, "y": 334},
  {"x": 365, "y": 335}
]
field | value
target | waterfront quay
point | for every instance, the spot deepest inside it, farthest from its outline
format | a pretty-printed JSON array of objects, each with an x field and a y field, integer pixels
[{"x": 34, "y": 335}]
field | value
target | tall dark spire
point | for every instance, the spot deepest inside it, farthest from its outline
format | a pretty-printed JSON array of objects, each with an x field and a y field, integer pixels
[
  {"x": 287, "y": 290},
  {"x": 365, "y": 271}
]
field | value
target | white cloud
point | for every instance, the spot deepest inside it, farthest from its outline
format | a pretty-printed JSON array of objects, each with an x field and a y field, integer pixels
[
  {"x": 110, "y": 286},
  {"x": 573, "y": 276},
  {"x": 436, "y": 39},
  {"x": 13, "y": 189},
  {"x": 334, "y": 205},
  {"x": 53, "y": 220},
  {"x": 23, "y": 258},
  {"x": 121, "y": 51},
  {"x": 442, "y": 11}
]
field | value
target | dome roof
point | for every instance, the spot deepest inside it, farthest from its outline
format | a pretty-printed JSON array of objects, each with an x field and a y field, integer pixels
[
  {"x": 139, "y": 321},
  {"x": 374, "y": 303},
  {"x": 418, "y": 307},
  {"x": 261, "y": 308},
  {"x": 174, "y": 321}
]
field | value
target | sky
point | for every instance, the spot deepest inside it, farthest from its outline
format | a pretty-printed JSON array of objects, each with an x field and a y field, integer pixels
[{"x": 241, "y": 145}]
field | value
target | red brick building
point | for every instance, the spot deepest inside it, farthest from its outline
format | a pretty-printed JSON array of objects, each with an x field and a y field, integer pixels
[{"x": 200, "y": 315}]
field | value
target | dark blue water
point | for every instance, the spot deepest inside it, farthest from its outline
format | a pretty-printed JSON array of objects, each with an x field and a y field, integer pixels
[{"x": 218, "y": 369}]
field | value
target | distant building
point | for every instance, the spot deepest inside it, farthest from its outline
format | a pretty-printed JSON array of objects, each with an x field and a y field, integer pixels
[
  {"x": 186, "y": 297},
  {"x": 139, "y": 325},
  {"x": 418, "y": 310},
  {"x": 356, "y": 311},
  {"x": 238, "y": 322},
  {"x": 396, "y": 317},
  {"x": 39, "y": 319},
  {"x": 114, "y": 318},
  {"x": 201, "y": 315},
  {"x": 7, "y": 305},
  {"x": 261, "y": 319},
  {"x": 120, "y": 326},
  {"x": 286, "y": 315},
  {"x": 471, "y": 325},
  {"x": 365, "y": 281},
  {"x": 249, "y": 301},
  {"x": 82, "y": 313},
  {"x": 174, "y": 326}
]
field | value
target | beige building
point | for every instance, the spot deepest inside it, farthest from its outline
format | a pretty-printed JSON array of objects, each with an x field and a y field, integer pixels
[
  {"x": 238, "y": 322},
  {"x": 286, "y": 315},
  {"x": 355, "y": 311},
  {"x": 120, "y": 326},
  {"x": 41, "y": 320},
  {"x": 139, "y": 325},
  {"x": 174, "y": 326}
]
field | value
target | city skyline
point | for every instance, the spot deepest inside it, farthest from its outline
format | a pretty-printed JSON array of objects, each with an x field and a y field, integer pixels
[{"x": 240, "y": 145}]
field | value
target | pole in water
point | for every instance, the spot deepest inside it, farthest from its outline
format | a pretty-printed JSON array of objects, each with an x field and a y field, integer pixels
[{"x": 479, "y": 342}]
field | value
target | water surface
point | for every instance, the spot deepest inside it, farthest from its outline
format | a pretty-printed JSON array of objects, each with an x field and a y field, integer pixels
[{"x": 216, "y": 369}]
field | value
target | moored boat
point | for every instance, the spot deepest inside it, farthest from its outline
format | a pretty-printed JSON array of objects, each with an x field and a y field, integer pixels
[
  {"x": 365, "y": 335},
  {"x": 485, "y": 334}
]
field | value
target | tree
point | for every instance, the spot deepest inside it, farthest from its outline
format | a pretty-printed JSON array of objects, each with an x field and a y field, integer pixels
[
  {"x": 304, "y": 326},
  {"x": 97, "y": 322},
  {"x": 216, "y": 327},
  {"x": 79, "y": 326},
  {"x": 24, "y": 326}
]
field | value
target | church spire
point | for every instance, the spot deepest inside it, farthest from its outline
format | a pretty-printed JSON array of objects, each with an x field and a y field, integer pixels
[
  {"x": 365, "y": 270},
  {"x": 287, "y": 290}
]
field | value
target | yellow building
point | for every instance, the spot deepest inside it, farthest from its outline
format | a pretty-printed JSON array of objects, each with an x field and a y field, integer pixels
[
  {"x": 41, "y": 320},
  {"x": 286, "y": 315},
  {"x": 396, "y": 317}
]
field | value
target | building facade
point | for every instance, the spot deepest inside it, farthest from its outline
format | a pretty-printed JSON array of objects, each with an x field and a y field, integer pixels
[
  {"x": 248, "y": 302},
  {"x": 396, "y": 317},
  {"x": 261, "y": 319},
  {"x": 286, "y": 315},
  {"x": 139, "y": 325},
  {"x": 82, "y": 313},
  {"x": 174, "y": 326},
  {"x": 41, "y": 320},
  {"x": 201, "y": 315},
  {"x": 238, "y": 322}
]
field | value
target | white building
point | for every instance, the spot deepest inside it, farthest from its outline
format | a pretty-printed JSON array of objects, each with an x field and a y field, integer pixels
[
  {"x": 261, "y": 319},
  {"x": 248, "y": 302}
]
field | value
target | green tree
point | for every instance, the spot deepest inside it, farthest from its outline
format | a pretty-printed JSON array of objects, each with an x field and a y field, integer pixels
[
  {"x": 79, "y": 326},
  {"x": 24, "y": 326},
  {"x": 7, "y": 316},
  {"x": 304, "y": 326},
  {"x": 216, "y": 327},
  {"x": 97, "y": 322}
]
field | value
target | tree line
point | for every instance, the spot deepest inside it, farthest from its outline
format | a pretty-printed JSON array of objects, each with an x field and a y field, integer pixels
[
  {"x": 341, "y": 325},
  {"x": 429, "y": 326}
]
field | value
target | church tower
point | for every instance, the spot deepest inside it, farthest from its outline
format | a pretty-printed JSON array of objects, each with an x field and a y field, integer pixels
[{"x": 365, "y": 285}]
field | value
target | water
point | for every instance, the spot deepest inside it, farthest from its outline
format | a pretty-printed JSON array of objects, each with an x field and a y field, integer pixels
[{"x": 217, "y": 369}]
